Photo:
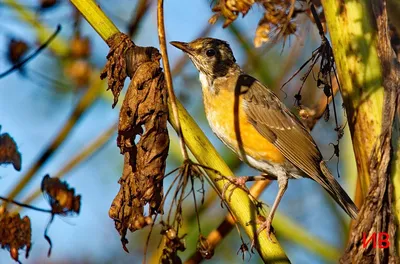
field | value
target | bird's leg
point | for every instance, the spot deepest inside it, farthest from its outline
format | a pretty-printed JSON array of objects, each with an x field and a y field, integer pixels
[
  {"x": 267, "y": 224},
  {"x": 238, "y": 182}
]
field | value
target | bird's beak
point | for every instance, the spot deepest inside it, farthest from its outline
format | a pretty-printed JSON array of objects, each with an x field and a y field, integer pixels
[{"x": 185, "y": 47}]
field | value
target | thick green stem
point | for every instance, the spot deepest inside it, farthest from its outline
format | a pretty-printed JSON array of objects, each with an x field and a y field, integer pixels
[{"x": 359, "y": 69}]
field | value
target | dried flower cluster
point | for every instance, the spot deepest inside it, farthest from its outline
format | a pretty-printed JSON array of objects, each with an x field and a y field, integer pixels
[
  {"x": 79, "y": 69},
  {"x": 60, "y": 196},
  {"x": 62, "y": 200},
  {"x": 15, "y": 233},
  {"x": 173, "y": 244},
  {"x": 16, "y": 50},
  {"x": 277, "y": 21}
]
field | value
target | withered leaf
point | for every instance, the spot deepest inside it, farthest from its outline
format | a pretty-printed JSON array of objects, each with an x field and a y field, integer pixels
[
  {"x": 144, "y": 113},
  {"x": 122, "y": 61}
]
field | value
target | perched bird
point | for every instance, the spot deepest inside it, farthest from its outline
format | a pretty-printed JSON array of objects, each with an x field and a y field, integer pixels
[{"x": 251, "y": 120}]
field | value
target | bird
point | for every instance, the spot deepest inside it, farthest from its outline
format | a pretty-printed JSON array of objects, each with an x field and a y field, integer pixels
[{"x": 254, "y": 123}]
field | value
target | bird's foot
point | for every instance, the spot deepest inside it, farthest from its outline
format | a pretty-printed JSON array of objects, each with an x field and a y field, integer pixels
[
  {"x": 237, "y": 182},
  {"x": 266, "y": 226}
]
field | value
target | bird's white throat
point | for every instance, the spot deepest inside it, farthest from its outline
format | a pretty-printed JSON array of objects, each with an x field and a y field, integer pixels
[
  {"x": 206, "y": 83},
  {"x": 203, "y": 80}
]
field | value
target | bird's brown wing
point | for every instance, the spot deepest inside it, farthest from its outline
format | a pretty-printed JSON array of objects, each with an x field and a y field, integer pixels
[{"x": 274, "y": 121}]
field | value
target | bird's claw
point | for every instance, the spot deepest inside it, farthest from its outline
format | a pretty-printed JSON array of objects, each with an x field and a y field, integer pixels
[
  {"x": 266, "y": 225},
  {"x": 237, "y": 182}
]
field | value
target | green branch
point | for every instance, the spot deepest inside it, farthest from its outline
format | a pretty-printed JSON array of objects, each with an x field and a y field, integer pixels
[{"x": 240, "y": 204}]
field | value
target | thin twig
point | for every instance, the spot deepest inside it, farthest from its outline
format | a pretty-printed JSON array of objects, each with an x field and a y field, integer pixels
[
  {"x": 217, "y": 235},
  {"x": 168, "y": 77},
  {"x": 140, "y": 10},
  {"x": 37, "y": 52},
  {"x": 316, "y": 19},
  {"x": 26, "y": 205}
]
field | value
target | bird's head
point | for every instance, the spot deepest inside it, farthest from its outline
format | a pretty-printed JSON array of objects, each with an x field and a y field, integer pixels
[{"x": 212, "y": 57}]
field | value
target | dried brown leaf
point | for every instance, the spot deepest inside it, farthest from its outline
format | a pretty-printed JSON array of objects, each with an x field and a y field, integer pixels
[
  {"x": 9, "y": 153},
  {"x": 115, "y": 69},
  {"x": 144, "y": 113}
]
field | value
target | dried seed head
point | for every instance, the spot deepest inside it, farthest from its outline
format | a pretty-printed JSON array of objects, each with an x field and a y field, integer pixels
[
  {"x": 204, "y": 247},
  {"x": 276, "y": 23},
  {"x": 262, "y": 34},
  {"x": 243, "y": 250},
  {"x": 306, "y": 113},
  {"x": 46, "y": 4},
  {"x": 15, "y": 233},
  {"x": 16, "y": 50},
  {"x": 79, "y": 71},
  {"x": 170, "y": 233},
  {"x": 80, "y": 47},
  {"x": 9, "y": 153}
]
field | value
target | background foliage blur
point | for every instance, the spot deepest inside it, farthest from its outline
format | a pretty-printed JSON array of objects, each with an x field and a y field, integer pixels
[{"x": 36, "y": 103}]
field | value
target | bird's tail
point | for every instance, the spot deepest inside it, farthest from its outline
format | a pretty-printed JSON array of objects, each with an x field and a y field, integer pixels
[{"x": 336, "y": 191}]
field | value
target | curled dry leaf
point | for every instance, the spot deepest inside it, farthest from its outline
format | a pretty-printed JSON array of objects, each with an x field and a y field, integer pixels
[
  {"x": 15, "y": 233},
  {"x": 118, "y": 67},
  {"x": 9, "y": 151},
  {"x": 144, "y": 112}
]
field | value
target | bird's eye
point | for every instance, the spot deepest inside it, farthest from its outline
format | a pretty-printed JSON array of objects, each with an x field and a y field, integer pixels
[{"x": 210, "y": 52}]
